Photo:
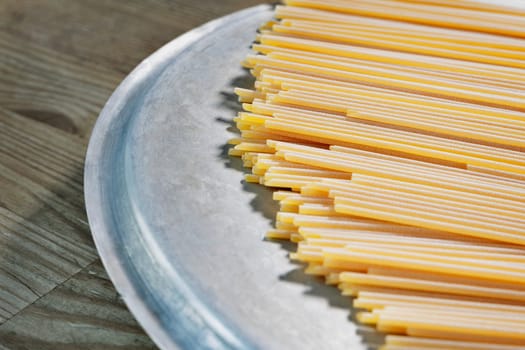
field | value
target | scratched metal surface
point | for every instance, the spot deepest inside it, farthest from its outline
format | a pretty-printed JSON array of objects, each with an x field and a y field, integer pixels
[{"x": 178, "y": 231}]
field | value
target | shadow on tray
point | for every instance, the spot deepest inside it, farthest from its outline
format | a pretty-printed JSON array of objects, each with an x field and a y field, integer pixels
[
  {"x": 262, "y": 201},
  {"x": 264, "y": 204}
]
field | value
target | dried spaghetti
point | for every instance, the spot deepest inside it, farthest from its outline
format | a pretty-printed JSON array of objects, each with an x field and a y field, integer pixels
[{"x": 394, "y": 133}]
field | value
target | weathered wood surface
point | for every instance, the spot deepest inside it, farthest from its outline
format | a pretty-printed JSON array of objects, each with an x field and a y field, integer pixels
[
  {"x": 85, "y": 312},
  {"x": 59, "y": 62}
]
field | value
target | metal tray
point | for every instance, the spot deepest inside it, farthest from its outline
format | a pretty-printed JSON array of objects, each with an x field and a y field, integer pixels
[{"x": 178, "y": 230}]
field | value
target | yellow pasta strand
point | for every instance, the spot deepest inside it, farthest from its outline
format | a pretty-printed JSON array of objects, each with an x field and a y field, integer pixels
[{"x": 393, "y": 135}]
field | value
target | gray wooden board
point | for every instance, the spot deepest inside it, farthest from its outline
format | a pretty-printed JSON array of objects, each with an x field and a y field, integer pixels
[
  {"x": 85, "y": 312},
  {"x": 44, "y": 234}
]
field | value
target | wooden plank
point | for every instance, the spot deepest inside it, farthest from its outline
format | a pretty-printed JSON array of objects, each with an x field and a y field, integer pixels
[
  {"x": 41, "y": 154},
  {"x": 43, "y": 228},
  {"x": 63, "y": 91},
  {"x": 33, "y": 262},
  {"x": 115, "y": 34},
  {"x": 83, "y": 313}
]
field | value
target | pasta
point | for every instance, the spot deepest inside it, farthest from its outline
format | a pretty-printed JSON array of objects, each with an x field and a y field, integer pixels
[{"x": 393, "y": 135}]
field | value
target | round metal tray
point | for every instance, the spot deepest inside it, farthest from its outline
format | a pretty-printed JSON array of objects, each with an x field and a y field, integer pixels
[{"x": 178, "y": 230}]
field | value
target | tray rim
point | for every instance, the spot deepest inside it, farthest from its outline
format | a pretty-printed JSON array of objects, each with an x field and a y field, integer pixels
[{"x": 109, "y": 252}]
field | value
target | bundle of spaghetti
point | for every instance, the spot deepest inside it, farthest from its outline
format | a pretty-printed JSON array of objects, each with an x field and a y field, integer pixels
[{"x": 393, "y": 135}]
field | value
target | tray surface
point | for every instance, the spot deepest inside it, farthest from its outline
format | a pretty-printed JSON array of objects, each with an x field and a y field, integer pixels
[{"x": 178, "y": 230}]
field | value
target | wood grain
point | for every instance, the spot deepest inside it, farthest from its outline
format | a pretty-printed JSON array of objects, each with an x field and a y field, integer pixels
[
  {"x": 83, "y": 313},
  {"x": 115, "y": 34},
  {"x": 60, "y": 60},
  {"x": 44, "y": 236},
  {"x": 62, "y": 91}
]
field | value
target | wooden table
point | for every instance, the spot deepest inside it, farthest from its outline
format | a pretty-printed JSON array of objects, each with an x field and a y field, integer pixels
[{"x": 59, "y": 62}]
